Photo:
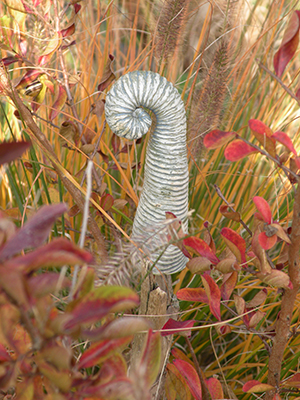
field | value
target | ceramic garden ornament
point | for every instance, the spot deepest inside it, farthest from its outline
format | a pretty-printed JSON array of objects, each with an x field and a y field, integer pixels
[{"x": 166, "y": 177}]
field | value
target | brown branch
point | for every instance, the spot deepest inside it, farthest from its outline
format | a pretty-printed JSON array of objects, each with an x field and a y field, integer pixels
[
  {"x": 46, "y": 147},
  {"x": 283, "y": 332}
]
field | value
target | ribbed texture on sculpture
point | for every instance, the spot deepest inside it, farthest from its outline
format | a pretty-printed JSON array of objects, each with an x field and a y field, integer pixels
[{"x": 166, "y": 169}]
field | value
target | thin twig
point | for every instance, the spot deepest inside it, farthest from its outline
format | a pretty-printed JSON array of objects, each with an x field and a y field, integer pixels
[
  {"x": 220, "y": 194},
  {"x": 265, "y": 153},
  {"x": 84, "y": 221},
  {"x": 279, "y": 81}
]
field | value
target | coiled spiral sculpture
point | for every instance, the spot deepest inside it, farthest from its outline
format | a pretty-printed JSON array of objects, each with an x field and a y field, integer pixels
[{"x": 166, "y": 170}]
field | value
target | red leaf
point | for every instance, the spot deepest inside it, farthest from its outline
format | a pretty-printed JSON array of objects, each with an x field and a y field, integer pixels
[
  {"x": 4, "y": 356},
  {"x": 59, "y": 102},
  {"x": 259, "y": 252},
  {"x": 107, "y": 201},
  {"x": 293, "y": 381},
  {"x": 65, "y": 46},
  {"x": 194, "y": 295},
  {"x": 228, "y": 285},
  {"x": 9, "y": 151},
  {"x": 255, "y": 386},
  {"x": 264, "y": 135},
  {"x": 34, "y": 232},
  {"x": 297, "y": 94},
  {"x": 57, "y": 253},
  {"x": 215, "y": 388},
  {"x": 108, "y": 75},
  {"x": 213, "y": 293},
  {"x": 43, "y": 284},
  {"x": 216, "y": 138},
  {"x": 115, "y": 366},
  {"x": 238, "y": 149},
  {"x": 228, "y": 213},
  {"x": 104, "y": 156},
  {"x": 29, "y": 77},
  {"x": 208, "y": 238},
  {"x": 115, "y": 142},
  {"x": 177, "y": 327},
  {"x": 12, "y": 282},
  {"x": 70, "y": 30},
  {"x": 283, "y": 138},
  {"x": 236, "y": 244},
  {"x": 98, "y": 352},
  {"x": 259, "y": 127},
  {"x": 267, "y": 242},
  {"x": 297, "y": 160},
  {"x": 98, "y": 303},
  {"x": 190, "y": 376},
  {"x": 264, "y": 209},
  {"x": 177, "y": 353},
  {"x": 256, "y": 318},
  {"x": 224, "y": 329},
  {"x": 10, "y": 60},
  {"x": 119, "y": 388},
  {"x": 77, "y": 8},
  {"x": 202, "y": 248},
  {"x": 288, "y": 45},
  {"x": 150, "y": 362},
  {"x": 176, "y": 386}
]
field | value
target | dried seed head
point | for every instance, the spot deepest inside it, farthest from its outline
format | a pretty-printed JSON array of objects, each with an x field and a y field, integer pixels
[
  {"x": 169, "y": 27},
  {"x": 207, "y": 103}
]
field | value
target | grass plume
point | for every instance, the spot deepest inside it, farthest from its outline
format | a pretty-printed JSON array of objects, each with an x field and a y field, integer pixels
[
  {"x": 169, "y": 28},
  {"x": 207, "y": 104}
]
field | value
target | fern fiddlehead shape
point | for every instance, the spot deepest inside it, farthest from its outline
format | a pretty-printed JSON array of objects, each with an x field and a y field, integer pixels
[{"x": 166, "y": 170}]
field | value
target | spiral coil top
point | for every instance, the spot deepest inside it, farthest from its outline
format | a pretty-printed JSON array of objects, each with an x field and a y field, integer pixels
[{"x": 166, "y": 170}]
